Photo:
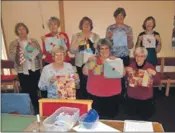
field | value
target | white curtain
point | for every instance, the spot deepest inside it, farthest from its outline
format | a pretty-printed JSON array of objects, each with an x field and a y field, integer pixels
[{"x": 4, "y": 54}]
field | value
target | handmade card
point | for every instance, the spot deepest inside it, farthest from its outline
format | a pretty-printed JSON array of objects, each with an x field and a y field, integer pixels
[
  {"x": 50, "y": 42},
  {"x": 95, "y": 67},
  {"x": 119, "y": 38},
  {"x": 66, "y": 87},
  {"x": 113, "y": 68},
  {"x": 149, "y": 41}
]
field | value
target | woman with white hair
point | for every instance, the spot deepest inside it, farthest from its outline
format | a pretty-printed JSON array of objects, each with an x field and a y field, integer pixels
[
  {"x": 53, "y": 72},
  {"x": 141, "y": 75}
]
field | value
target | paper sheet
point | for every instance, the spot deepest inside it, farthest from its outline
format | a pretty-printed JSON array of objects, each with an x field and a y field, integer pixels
[
  {"x": 138, "y": 126},
  {"x": 101, "y": 127}
]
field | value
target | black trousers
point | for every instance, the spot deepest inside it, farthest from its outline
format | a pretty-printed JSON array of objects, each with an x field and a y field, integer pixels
[
  {"x": 140, "y": 109},
  {"x": 29, "y": 84},
  {"x": 126, "y": 62},
  {"x": 82, "y": 92},
  {"x": 107, "y": 107}
]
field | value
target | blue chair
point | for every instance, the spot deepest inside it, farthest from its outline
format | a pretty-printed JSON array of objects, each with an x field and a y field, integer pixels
[{"x": 16, "y": 103}]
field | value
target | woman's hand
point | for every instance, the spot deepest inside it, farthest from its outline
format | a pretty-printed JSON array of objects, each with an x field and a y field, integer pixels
[
  {"x": 70, "y": 54},
  {"x": 129, "y": 69},
  {"x": 52, "y": 79},
  {"x": 112, "y": 57},
  {"x": 92, "y": 58},
  {"x": 109, "y": 34},
  {"x": 151, "y": 71},
  {"x": 76, "y": 76},
  {"x": 43, "y": 38}
]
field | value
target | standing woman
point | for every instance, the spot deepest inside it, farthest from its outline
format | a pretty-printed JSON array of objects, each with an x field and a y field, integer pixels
[
  {"x": 53, "y": 25},
  {"x": 148, "y": 25},
  {"x": 26, "y": 54},
  {"x": 79, "y": 43}
]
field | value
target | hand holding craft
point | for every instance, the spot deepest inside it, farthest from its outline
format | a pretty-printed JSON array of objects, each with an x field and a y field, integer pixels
[
  {"x": 52, "y": 79},
  {"x": 151, "y": 71}
]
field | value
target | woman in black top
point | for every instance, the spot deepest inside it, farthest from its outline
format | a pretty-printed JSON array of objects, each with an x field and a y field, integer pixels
[{"x": 150, "y": 39}]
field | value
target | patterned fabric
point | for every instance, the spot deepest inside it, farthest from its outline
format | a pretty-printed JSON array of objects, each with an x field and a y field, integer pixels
[
  {"x": 19, "y": 64},
  {"x": 120, "y": 50},
  {"x": 48, "y": 72},
  {"x": 173, "y": 36}
]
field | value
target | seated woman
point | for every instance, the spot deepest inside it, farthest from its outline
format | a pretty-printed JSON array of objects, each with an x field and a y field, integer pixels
[
  {"x": 141, "y": 76},
  {"x": 103, "y": 91},
  {"x": 59, "y": 78}
]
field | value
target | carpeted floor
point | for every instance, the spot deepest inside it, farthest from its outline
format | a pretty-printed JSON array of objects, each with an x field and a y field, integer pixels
[{"x": 165, "y": 110}]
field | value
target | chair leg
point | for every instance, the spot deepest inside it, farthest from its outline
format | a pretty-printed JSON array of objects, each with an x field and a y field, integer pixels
[{"x": 167, "y": 88}]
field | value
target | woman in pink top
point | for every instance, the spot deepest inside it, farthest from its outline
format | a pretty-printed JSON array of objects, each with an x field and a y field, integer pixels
[
  {"x": 103, "y": 91},
  {"x": 141, "y": 76}
]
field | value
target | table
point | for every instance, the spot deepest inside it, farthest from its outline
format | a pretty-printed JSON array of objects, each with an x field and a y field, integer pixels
[{"x": 29, "y": 123}]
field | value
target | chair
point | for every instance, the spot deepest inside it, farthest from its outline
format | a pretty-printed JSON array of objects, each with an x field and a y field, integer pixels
[
  {"x": 49, "y": 106},
  {"x": 19, "y": 103},
  {"x": 169, "y": 76},
  {"x": 8, "y": 80}
]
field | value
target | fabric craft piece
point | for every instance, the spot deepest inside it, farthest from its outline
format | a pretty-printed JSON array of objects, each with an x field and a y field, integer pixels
[
  {"x": 96, "y": 68},
  {"x": 149, "y": 41},
  {"x": 66, "y": 87},
  {"x": 113, "y": 68},
  {"x": 140, "y": 78},
  {"x": 119, "y": 38},
  {"x": 50, "y": 42}
]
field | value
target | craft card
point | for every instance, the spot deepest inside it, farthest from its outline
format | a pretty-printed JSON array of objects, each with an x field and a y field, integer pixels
[
  {"x": 149, "y": 41},
  {"x": 50, "y": 42},
  {"x": 119, "y": 38},
  {"x": 140, "y": 78},
  {"x": 66, "y": 87},
  {"x": 95, "y": 67},
  {"x": 113, "y": 68}
]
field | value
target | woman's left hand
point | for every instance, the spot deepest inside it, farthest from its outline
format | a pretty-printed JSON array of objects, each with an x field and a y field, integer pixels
[
  {"x": 76, "y": 76},
  {"x": 151, "y": 71},
  {"x": 112, "y": 57}
]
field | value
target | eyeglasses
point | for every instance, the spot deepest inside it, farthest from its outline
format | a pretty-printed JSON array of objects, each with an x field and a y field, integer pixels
[
  {"x": 140, "y": 56},
  {"x": 104, "y": 48}
]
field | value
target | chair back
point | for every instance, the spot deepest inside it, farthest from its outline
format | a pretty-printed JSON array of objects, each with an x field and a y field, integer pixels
[
  {"x": 7, "y": 64},
  {"x": 49, "y": 106},
  {"x": 16, "y": 103}
]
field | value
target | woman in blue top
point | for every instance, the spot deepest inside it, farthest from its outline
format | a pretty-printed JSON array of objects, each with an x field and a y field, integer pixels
[{"x": 150, "y": 39}]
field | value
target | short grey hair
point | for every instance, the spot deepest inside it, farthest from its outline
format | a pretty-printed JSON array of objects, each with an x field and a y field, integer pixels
[
  {"x": 53, "y": 19},
  {"x": 141, "y": 50},
  {"x": 57, "y": 49},
  {"x": 103, "y": 42}
]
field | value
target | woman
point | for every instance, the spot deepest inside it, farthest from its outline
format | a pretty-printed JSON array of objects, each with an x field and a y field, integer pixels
[
  {"x": 53, "y": 25},
  {"x": 121, "y": 36},
  {"x": 25, "y": 52},
  {"x": 52, "y": 73},
  {"x": 120, "y": 46},
  {"x": 84, "y": 41},
  {"x": 149, "y": 34},
  {"x": 141, "y": 76},
  {"x": 103, "y": 91}
]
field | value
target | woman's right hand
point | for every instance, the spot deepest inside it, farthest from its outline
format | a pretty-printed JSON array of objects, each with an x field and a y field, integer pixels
[
  {"x": 52, "y": 79},
  {"x": 109, "y": 34},
  {"x": 140, "y": 38},
  {"x": 129, "y": 69},
  {"x": 43, "y": 38},
  {"x": 92, "y": 58}
]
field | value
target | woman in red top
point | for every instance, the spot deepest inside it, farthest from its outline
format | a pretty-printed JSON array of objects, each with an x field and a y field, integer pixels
[
  {"x": 103, "y": 91},
  {"x": 141, "y": 76},
  {"x": 53, "y": 25}
]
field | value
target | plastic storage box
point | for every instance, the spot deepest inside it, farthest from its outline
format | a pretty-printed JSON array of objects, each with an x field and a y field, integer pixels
[
  {"x": 52, "y": 123},
  {"x": 88, "y": 124}
]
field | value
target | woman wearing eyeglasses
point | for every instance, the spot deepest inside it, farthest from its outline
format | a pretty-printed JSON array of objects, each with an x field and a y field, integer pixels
[{"x": 141, "y": 76}]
